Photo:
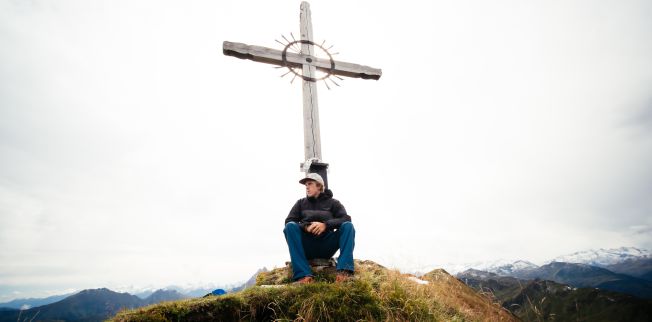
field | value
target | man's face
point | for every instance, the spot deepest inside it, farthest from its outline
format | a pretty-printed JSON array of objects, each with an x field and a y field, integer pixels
[{"x": 311, "y": 188}]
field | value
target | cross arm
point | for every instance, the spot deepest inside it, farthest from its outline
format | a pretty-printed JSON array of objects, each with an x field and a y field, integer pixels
[
  {"x": 256, "y": 53},
  {"x": 275, "y": 57}
]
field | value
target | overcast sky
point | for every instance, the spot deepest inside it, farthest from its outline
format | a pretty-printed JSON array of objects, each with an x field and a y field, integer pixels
[{"x": 134, "y": 154}]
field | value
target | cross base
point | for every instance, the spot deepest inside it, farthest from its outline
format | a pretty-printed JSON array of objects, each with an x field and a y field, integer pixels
[
  {"x": 321, "y": 169},
  {"x": 320, "y": 266}
]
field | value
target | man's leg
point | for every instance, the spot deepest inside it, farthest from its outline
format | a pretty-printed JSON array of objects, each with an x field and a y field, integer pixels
[
  {"x": 346, "y": 244},
  {"x": 300, "y": 266},
  {"x": 325, "y": 246},
  {"x": 322, "y": 246}
]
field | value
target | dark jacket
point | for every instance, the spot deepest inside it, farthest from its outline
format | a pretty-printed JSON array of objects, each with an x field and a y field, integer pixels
[{"x": 322, "y": 209}]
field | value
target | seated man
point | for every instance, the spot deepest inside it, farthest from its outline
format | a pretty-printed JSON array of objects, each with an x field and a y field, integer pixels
[{"x": 317, "y": 227}]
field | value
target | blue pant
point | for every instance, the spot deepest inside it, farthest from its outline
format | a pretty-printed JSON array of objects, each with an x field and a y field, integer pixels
[{"x": 304, "y": 246}]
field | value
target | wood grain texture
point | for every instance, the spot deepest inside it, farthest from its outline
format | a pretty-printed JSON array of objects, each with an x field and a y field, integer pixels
[
  {"x": 311, "y": 130},
  {"x": 274, "y": 57}
]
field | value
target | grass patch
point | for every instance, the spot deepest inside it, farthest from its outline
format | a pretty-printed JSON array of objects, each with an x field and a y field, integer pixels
[{"x": 375, "y": 294}]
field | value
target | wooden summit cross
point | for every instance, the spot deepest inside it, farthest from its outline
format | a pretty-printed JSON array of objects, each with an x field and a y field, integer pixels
[{"x": 309, "y": 64}]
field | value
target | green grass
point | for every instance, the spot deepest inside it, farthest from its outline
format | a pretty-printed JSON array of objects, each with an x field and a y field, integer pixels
[{"x": 375, "y": 294}]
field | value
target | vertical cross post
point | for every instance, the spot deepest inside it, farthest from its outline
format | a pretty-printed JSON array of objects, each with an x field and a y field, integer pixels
[{"x": 311, "y": 136}]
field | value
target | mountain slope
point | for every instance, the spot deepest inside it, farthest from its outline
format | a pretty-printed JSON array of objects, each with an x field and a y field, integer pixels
[
  {"x": 87, "y": 305},
  {"x": 163, "y": 296},
  {"x": 637, "y": 267},
  {"x": 375, "y": 294},
  {"x": 498, "y": 288},
  {"x": 251, "y": 281},
  {"x": 546, "y": 300}
]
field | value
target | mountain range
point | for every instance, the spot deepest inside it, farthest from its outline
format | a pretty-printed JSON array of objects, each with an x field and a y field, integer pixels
[
  {"x": 100, "y": 304},
  {"x": 186, "y": 292},
  {"x": 584, "y": 275},
  {"x": 624, "y": 269},
  {"x": 605, "y": 258},
  {"x": 602, "y": 285},
  {"x": 24, "y": 304},
  {"x": 612, "y": 281},
  {"x": 88, "y": 305}
]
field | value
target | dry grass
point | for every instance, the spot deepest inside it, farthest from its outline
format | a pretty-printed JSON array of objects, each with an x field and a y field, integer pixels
[{"x": 452, "y": 292}]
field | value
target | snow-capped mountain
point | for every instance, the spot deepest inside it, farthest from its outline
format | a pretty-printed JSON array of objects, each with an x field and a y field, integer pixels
[
  {"x": 501, "y": 267},
  {"x": 604, "y": 257},
  {"x": 510, "y": 268},
  {"x": 600, "y": 257}
]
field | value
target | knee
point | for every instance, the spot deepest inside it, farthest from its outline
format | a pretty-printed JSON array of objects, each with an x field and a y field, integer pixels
[
  {"x": 347, "y": 225},
  {"x": 291, "y": 226}
]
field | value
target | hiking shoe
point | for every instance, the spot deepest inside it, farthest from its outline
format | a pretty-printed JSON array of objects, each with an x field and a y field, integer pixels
[
  {"x": 343, "y": 276},
  {"x": 305, "y": 280}
]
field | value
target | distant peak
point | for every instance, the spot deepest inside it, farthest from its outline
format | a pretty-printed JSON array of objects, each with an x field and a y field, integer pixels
[{"x": 603, "y": 257}]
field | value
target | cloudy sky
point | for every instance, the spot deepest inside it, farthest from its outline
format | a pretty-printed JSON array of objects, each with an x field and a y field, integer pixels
[{"x": 134, "y": 154}]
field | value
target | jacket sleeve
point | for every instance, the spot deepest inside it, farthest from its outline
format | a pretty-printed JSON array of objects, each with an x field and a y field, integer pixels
[
  {"x": 339, "y": 214},
  {"x": 295, "y": 215}
]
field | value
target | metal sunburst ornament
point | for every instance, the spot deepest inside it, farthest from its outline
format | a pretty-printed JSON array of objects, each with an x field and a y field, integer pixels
[{"x": 293, "y": 47}]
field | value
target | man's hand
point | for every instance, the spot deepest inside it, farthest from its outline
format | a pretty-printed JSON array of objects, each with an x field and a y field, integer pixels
[{"x": 316, "y": 228}]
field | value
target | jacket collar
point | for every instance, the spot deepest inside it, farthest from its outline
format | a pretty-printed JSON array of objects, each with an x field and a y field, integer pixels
[{"x": 328, "y": 194}]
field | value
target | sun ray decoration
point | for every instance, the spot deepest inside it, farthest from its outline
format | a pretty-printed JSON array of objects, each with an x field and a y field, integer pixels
[{"x": 321, "y": 52}]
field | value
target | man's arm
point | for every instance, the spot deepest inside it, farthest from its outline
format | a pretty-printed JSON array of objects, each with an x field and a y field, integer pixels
[
  {"x": 295, "y": 215},
  {"x": 339, "y": 214}
]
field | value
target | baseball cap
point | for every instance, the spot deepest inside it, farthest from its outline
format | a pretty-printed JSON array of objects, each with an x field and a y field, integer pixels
[{"x": 312, "y": 176}]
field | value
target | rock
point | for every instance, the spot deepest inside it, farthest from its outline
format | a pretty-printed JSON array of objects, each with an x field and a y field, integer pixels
[{"x": 321, "y": 266}]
